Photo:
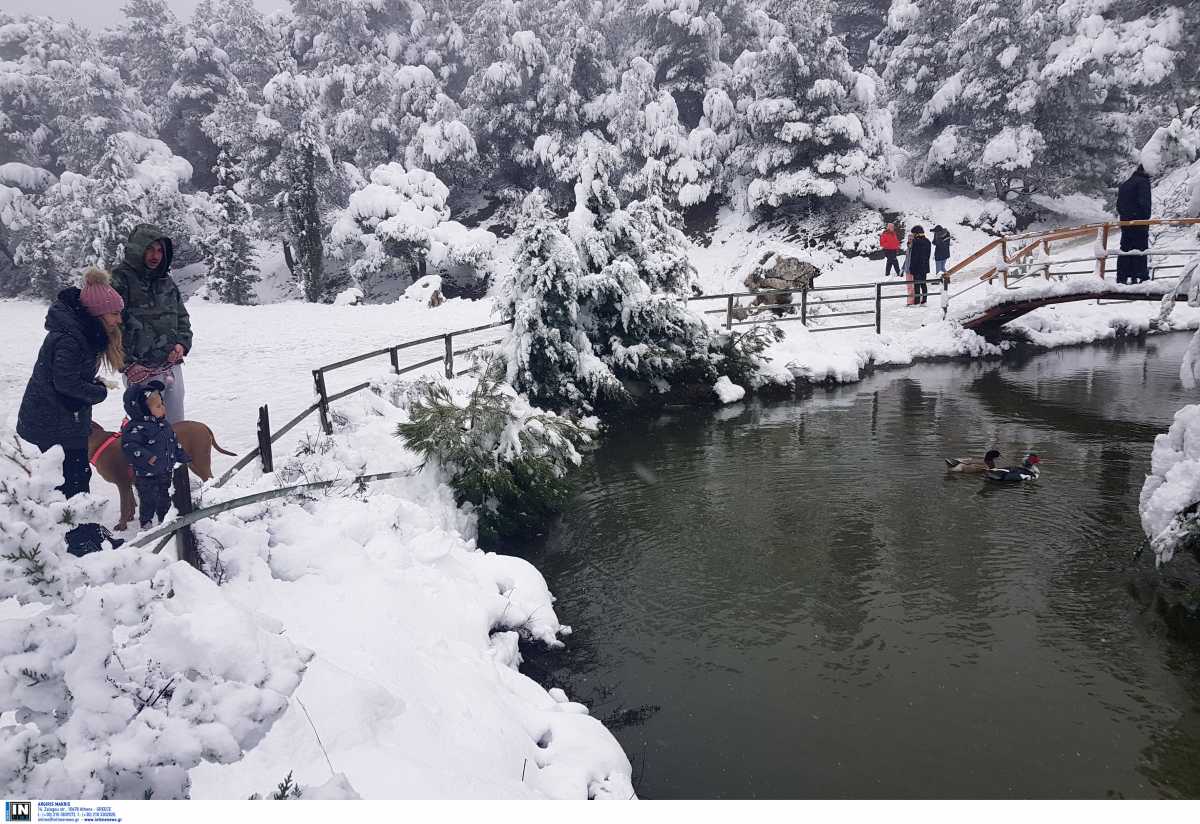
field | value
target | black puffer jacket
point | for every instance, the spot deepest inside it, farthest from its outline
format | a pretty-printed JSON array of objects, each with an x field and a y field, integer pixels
[
  {"x": 918, "y": 255},
  {"x": 57, "y": 406}
]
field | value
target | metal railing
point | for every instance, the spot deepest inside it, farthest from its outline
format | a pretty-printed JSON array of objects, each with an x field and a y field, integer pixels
[
  {"x": 812, "y": 299},
  {"x": 324, "y": 398},
  {"x": 266, "y": 438}
]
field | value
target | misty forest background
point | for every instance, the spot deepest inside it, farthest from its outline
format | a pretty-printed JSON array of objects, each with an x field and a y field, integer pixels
[{"x": 363, "y": 142}]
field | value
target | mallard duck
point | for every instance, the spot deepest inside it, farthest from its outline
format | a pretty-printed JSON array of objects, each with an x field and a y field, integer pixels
[
  {"x": 1027, "y": 471},
  {"x": 973, "y": 464}
]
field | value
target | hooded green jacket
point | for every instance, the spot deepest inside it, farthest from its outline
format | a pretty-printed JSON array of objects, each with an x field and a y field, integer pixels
[{"x": 154, "y": 319}]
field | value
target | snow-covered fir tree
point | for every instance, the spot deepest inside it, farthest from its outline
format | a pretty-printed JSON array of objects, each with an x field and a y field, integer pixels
[
  {"x": 227, "y": 246},
  {"x": 289, "y": 165},
  {"x": 811, "y": 121},
  {"x": 146, "y": 47},
  {"x": 1021, "y": 98},
  {"x": 596, "y": 299}
]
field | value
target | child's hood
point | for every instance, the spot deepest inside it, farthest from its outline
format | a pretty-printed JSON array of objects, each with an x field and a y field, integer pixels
[{"x": 135, "y": 397}]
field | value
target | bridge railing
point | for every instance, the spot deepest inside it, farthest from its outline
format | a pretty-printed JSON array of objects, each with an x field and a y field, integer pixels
[
  {"x": 814, "y": 310},
  {"x": 1028, "y": 244}
]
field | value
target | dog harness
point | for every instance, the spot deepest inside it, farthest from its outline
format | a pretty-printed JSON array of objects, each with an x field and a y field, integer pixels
[{"x": 109, "y": 441}]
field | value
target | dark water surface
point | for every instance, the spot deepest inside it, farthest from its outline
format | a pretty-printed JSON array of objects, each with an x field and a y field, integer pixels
[{"x": 795, "y": 600}]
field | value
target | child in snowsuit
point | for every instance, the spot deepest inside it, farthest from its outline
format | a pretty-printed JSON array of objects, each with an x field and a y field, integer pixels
[{"x": 150, "y": 444}]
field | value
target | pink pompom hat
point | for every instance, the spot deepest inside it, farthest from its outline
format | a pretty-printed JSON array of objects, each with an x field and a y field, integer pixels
[{"x": 97, "y": 294}]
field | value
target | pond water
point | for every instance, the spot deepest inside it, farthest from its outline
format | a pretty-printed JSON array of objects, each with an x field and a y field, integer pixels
[{"x": 795, "y": 600}]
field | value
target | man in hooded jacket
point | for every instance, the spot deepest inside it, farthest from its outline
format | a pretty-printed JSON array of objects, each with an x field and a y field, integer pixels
[
  {"x": 1133, "y": 203},
  {"x": 156, "y": 326}
]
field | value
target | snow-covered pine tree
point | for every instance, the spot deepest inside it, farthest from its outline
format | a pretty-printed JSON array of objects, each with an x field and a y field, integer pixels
[
  {"x": 227, "y": 247},
  {"x": 145, "y": 46},
  {"x": 254, "y": 51},
  {"x": 288, "y": 158},
  {"x": 87, "y": 217},
  {"x": 203, "y": 78},
  {"x": 36, "y": 255},
  {"x": 684, "y": 40},
  {"x": 1019, "y": 98},
  {"x": 60, "y": 100},
  {"x": 525, "y": 114},
  {"x": 549, "y": 355},
  {"x": 811, "y": 121},
  {"x": 597, "y": 298}
]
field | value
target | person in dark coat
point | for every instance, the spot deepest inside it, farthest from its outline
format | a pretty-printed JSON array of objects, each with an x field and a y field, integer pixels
[
  {"x": 83, "y": 330},
  {"x": 149, "y": 443},
  {"x": 941, "y": 248},
  {"x": 918, "y": 264},
  {"x": 157, "y": 327},
  {"x": 1133, "y": 203}
]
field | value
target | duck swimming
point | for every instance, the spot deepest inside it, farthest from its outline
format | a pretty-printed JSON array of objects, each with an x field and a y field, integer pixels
[
  {"x": 1027, "y": 471},
  {"x": 973, "y": 464}
]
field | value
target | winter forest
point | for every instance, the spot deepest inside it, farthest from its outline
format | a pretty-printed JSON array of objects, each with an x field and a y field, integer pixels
[{"x": 367, "y": 142}]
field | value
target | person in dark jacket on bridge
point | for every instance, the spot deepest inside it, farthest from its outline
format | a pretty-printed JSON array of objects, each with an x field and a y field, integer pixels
[
  {"x": 156, "y": 325},
  {"x": 83, "y": 331},
  {"x": 941, "y": 248},
  {"x": 918, "y": 264},
  {"x": 1133, "y": 203}
]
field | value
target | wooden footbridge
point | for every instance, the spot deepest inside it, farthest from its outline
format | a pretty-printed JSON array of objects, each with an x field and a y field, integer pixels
[{"x": 1022, "y": 275}]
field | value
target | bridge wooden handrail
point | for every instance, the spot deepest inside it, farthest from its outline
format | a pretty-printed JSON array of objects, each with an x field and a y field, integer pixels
[
  {"x": 1046, "y": 236},
  {"x": 1111, "y": 224}
]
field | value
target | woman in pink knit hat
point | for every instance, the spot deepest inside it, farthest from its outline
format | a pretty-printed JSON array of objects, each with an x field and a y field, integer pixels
[{"x": 83, "y": 331}]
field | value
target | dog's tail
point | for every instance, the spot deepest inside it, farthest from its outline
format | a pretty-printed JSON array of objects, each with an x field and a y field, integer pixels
[{"x": 216, "y": 445}]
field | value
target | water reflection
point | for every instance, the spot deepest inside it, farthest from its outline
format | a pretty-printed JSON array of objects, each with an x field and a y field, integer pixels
[{"x": 794, "y": 600}]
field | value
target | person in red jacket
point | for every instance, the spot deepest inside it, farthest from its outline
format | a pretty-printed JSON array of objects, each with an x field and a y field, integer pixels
[{"x": 891, "y": 247}]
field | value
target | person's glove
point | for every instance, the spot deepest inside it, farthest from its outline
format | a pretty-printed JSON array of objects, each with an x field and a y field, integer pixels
[{"x": 136, "y": 373}]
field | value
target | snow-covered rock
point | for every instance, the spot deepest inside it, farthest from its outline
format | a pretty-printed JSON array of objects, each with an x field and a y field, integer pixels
[{"x": 728, "y": 391}]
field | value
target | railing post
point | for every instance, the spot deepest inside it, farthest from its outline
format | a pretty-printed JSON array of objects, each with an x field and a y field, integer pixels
[
  {"x": 185, "y": 539},
  {"x": 449, "y": 356},
  {"x": 323, "y": 400},
  {"x": 394, "y": 354},
  {"x": 264, "y": 440},
  {"x": 878, "y": 308},
  {"x": 1104, "y": 245},
  {"x": 804, "y": 307},
  {"x": 729, "y": 313}
]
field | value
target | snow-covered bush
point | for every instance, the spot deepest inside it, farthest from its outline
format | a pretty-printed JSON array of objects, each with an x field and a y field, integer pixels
[
  {"x": 121, "y": 670},
  {"x": 398, "y": 224},
  {"x": 505, "y": 457}
]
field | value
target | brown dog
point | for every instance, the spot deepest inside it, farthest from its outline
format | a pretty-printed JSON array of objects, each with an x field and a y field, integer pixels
[{"x": 196, "y": 439}]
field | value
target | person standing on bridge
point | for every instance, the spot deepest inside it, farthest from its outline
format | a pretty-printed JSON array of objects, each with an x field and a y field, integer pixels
[
  {"x": 918, "y": 264},
  {"x": 890, "y": 244},
  {"x": 941, "y": 248},
  {"x": 1133, "y": 203}
]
